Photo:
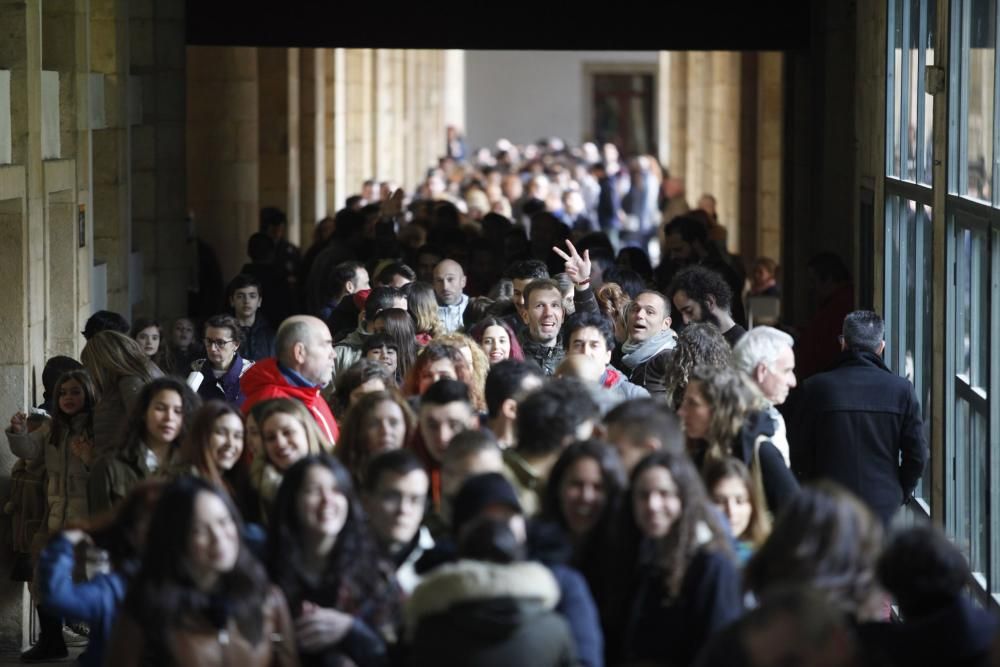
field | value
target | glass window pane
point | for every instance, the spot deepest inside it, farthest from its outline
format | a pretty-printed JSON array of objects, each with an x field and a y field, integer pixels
[
  {"x": 978, "y": 317},
  {"x": 962, "y": 491},
  {"x": 927, "y": 43},
  {"x": 912, "y": 75},
  {"x": 897, "y": 80},
  {"x": 963, "y": 321},
  {"x": 979, "y": 491},
  {"x": 979, "y": 112},
  {"x": 919, "y": 349}
]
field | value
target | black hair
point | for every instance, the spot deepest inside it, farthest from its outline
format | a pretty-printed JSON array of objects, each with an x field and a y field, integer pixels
[
  {"x": 582, "y": 320},
  {"x": 446, "y": 391},
  {"x": 648, "y": 418},
  {"x": 397, "y": 461},
  {"x": 242, "y": 281},
  {"x": 698, "y": 283},
  {"x": 548, "y": 418},
  {"x": 505, "y": 380},
  {"x": 380, "y": 299},
  {"x": 630, "y": 281},
  {"x": 104, "y": 320},
  {"x": 260, "y": 247}
]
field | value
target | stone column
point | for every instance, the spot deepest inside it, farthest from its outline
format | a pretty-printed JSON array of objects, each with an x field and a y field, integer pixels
[
  {"x": 698, "y": 85},
  {"x": 721, "y": 176},
  {"x": 109, "y": 57},
  {"x": 312, "y": 139},
  {"x": 21, "y": 227},
  {"x": 360, "y": 139},
  {"x": 770, "y": 115},
  {"x": 336, "y": 129},
  {"x": 278, "y": 92},
  {"x": 678, "y": 120},
  {"x": 222, "y": 149},
  {"x": 159, "y": 188}
]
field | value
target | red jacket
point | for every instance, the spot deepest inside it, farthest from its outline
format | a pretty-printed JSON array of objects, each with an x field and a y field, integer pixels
[{"x": 264, "y": 381}]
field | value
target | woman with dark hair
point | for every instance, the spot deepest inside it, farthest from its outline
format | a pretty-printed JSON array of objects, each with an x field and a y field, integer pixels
[
  {"x": 215, "y": 451},
  {"x": 217, "y": 376},
  {"x": 155, "y": 427},
  {"x": 200, "y": 597},
  {"x": 827, "y": 540},
  {"x": 497, "y": 340},
  {"x": 676, "y": 569},
  {"x": 149, "y": 334},
  {"x": 382, "y": 348},
  {"x": 122, "y": 534},
  {"x": 361, "y": 378},
  {"x": 120, "y": 370},
  {"x": 379, "y": 422},
  {"x": 723, "y": 416},
  {"x": 323, "y": 558},
  {"x": 398, "y": 325},
  {"x": 697, "y": 344}
]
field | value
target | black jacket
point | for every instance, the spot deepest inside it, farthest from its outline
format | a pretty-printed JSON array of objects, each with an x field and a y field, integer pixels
[
  {"x": 860, "y": 425},
  {"x": 671, "y": 631},
  {"x": 652, "y": 373},
  {"x": 779, "y": 482},
  {"x": 258, "y": 340}
]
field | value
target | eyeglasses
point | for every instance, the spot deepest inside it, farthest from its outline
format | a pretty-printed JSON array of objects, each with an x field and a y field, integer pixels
[{"x": 216, "y": 342}]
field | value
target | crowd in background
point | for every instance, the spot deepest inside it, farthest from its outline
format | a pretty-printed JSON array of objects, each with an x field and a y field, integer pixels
[{"x": 513, "y": 416}]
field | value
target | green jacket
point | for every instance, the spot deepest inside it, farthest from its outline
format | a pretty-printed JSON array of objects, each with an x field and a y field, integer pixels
[{"x": 114, "y": 475}]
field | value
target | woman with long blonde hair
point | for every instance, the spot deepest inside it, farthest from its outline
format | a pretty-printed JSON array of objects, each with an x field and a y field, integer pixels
[
  {"x": 288, "y": 434},
  {"x": 120, "y": 369},
  {"x": 423, "y": 305}
]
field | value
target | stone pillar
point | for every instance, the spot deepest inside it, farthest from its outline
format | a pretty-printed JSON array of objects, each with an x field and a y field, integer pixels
[
  {"x": 21, "y": 222},
  {"x": 222, "y": 149},
  {"x": 400, "y": 138},
  {"x": 678, "y": 113},
  {"x": 411, "y": 95},
  {"x": 699, "y": 86},
  {"x": 770, "y": 117},
  {"x": 278, "y": 103},
  {"x": 109, "y": 57},
  {"x": 453, "y": 89},
  {"x": 336, "y": 129},
  {"x": 721, "y": 176},
  {"x": 312, "y": 139},
  {"x": 159, "y": 188},
  {"x": 384, "y": 116},
  {"x": 360, "y": 143}
]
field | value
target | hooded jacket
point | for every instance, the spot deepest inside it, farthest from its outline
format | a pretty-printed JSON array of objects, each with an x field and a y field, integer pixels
[
  {"x": 480, "y": 614},
  {"x": 264, "y": 381}
]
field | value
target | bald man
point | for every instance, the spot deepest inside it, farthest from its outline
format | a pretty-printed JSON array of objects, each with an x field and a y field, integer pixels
[
  {"x": 449, "y": 281},
  {"x": 302, "y": 367}
]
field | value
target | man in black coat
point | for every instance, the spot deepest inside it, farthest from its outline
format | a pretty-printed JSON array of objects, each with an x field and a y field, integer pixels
[{"x": 859, "y": 424}]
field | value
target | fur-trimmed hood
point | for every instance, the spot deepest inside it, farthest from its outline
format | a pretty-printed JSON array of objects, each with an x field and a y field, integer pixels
[{"x": 467, "y": 581}]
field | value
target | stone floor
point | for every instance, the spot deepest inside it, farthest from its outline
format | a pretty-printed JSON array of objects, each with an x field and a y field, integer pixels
[{"x": 74, "y": 643}]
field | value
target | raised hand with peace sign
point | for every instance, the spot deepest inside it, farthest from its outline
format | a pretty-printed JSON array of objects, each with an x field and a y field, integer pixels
[{"x": 577, "y": 267}]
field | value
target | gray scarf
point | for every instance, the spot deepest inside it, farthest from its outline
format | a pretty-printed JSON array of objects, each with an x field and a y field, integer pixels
[{"x": 637, "y": 353}]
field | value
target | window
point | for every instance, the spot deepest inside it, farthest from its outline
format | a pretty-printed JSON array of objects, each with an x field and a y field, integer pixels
[{"x": 908, "y": 260}]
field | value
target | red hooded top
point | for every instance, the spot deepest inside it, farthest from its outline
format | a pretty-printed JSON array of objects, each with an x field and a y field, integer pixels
[{"x": 264, "y": 381}]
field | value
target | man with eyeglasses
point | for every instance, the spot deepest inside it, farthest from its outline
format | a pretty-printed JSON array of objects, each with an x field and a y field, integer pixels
[
  {"x": 217, "y": 376},
  {"x": 245, "y": 298}
]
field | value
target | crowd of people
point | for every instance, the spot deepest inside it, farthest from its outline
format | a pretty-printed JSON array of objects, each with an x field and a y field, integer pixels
[{"x": 476, "y": 425}]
